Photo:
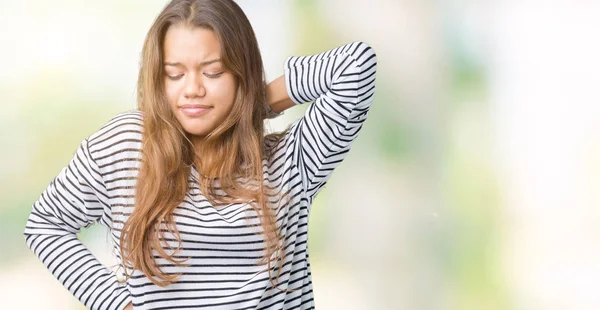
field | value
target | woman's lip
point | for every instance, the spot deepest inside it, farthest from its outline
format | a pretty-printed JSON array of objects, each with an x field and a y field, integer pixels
[
  {"x": 194, "y": 106},
  {"x": 194, "y": 110}
]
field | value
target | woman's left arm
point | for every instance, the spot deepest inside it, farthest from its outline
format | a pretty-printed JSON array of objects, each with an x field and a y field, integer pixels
[{"x": 341, "y": 82}]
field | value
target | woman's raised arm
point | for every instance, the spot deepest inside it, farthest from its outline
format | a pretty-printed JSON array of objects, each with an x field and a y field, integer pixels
[{"x": 341, "y": 82}]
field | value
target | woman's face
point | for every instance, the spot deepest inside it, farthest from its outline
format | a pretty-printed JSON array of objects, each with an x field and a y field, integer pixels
[{"x": 199, "y": 89}]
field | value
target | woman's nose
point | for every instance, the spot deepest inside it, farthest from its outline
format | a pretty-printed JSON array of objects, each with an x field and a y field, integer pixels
[{"x": 194, "y": 87}]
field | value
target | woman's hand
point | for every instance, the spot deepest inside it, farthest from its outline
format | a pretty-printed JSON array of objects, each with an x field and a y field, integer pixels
[{"x": 128, "y": 307}]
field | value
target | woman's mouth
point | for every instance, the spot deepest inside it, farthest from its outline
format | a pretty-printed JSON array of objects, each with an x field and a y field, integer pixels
[{"x": 194, "y": 110}]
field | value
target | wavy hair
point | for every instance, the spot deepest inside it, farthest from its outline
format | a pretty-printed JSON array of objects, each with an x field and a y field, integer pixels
[{"x": 234, "y": 150}]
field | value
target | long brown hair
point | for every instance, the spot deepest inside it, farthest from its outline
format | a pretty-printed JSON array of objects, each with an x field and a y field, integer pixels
[{"x": 233, "y": 151}]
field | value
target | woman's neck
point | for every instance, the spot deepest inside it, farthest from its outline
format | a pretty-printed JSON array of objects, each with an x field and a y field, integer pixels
[
  {"x": 201, "y": 160},
  {"x": 198, "y": 142}
]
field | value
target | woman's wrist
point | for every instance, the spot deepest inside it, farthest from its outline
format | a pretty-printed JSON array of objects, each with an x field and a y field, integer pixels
[
  {"x": 270, "y": 113},
  {"x": 277, "y": 96}
]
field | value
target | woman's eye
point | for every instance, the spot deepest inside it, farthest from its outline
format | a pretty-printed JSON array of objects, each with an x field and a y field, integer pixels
[
  {"x": 208, "y": 75},
  {"x": 174, "y": 78},
  {"x": 213, "y": 76}
]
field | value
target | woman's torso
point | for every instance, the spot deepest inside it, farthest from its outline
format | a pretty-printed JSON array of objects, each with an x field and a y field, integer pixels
[{"x": 220, "y": 245}]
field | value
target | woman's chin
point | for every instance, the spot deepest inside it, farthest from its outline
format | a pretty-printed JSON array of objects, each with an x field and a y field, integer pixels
[
  {"x": 196, "y": 132},
  {"x": 195, "y": 127}
]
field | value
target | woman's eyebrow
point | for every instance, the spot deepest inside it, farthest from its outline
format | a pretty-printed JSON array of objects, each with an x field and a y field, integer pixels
[{"x": 205, "y": 63}]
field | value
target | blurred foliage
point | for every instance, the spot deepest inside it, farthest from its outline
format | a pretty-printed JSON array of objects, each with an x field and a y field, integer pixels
[{"x": 55, "y": 126}]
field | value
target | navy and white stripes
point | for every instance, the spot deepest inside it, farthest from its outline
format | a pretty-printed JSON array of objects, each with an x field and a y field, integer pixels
[
  {"x": 222, "y": 245},
  {"x": 342, "y": 81}
]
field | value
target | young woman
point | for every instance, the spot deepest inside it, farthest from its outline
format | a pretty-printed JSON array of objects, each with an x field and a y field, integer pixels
[{"x": 204, "y": 210}]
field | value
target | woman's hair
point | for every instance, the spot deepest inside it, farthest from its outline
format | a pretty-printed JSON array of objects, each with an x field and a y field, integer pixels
[{"x": 234, "y": 150}]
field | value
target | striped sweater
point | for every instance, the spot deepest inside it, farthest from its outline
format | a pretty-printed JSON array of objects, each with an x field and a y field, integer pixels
[{"x": 221, "y": 245}]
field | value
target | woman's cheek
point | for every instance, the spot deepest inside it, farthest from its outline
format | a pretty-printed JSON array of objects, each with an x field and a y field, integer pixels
[
  {"x": 225, "y": 88},
  {"x": 171, "y": 93}
]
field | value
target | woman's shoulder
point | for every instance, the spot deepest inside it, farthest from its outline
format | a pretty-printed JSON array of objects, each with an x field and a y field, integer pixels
[{"x": 122, "y": 133}]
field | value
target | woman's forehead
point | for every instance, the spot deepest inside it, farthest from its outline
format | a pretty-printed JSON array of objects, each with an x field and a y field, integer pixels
[{"x": 191, "y": 46}]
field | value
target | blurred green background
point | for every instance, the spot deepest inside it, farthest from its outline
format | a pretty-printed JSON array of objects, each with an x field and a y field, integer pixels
[{"x": 473, "y": 185}]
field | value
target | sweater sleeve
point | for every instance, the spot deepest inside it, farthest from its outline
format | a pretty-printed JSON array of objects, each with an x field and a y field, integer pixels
[
  {"x": 76, "y": 198},
  {"x": 342, "y": 84}
]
